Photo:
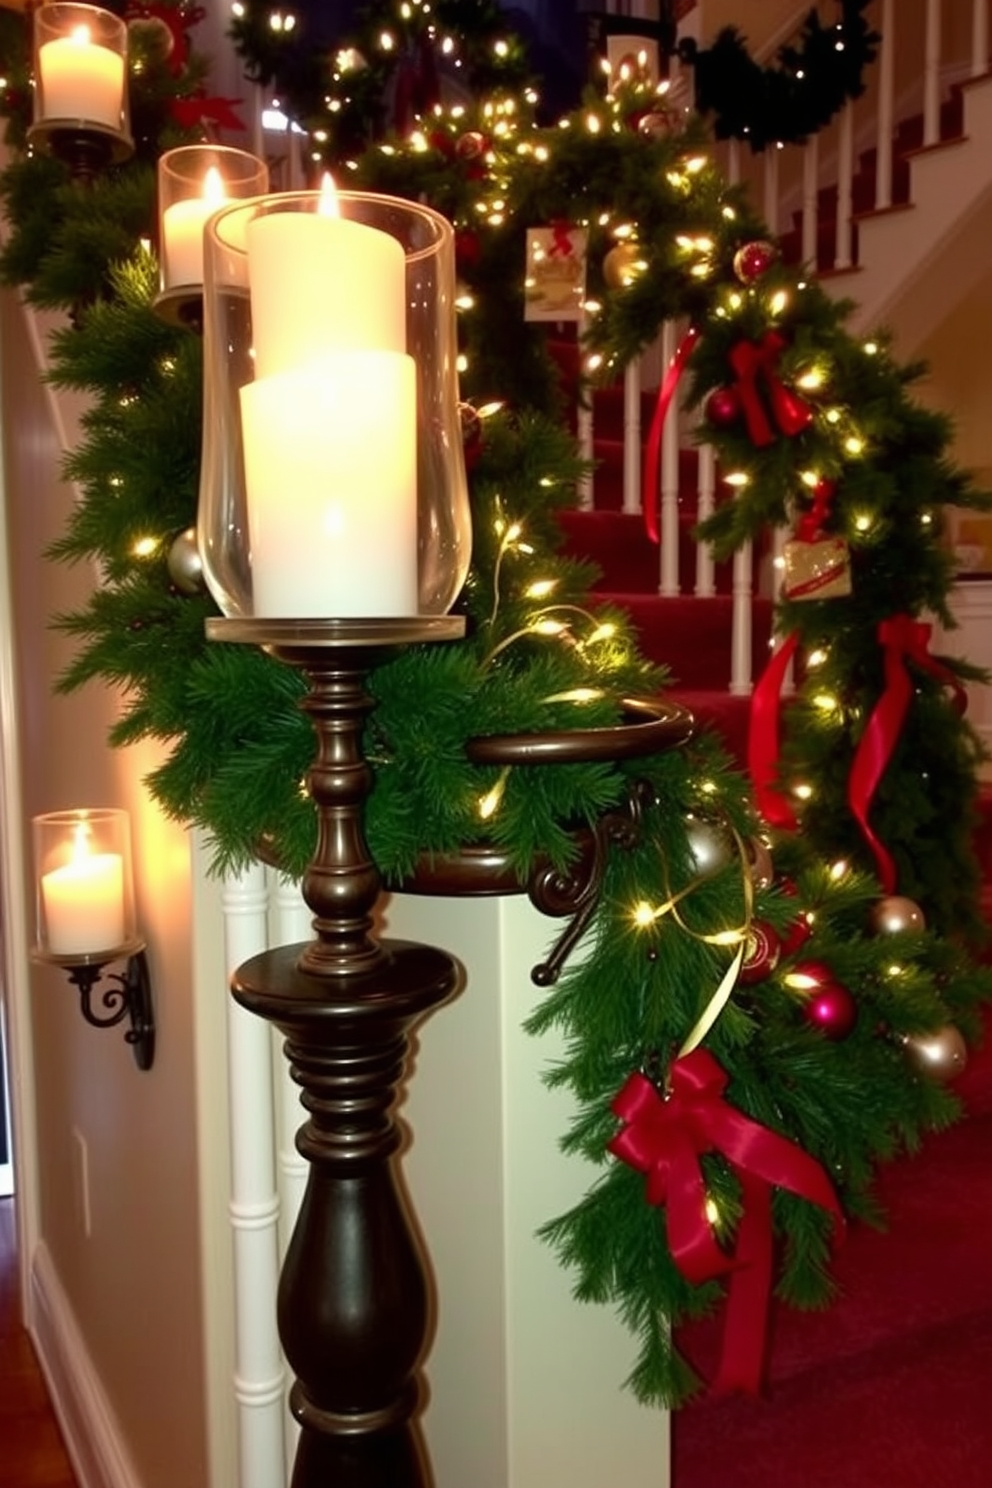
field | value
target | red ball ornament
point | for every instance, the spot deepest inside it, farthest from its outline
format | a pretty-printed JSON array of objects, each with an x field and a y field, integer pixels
[
  {"x": 761, "y": 953},
  {"x": 723, "y": 407},
  {"x": 754, "y": 259},
  {"x": 657, "y": 125},
  {"x": 471, "y": 145},
  {"x": 827, "y": 1006}
]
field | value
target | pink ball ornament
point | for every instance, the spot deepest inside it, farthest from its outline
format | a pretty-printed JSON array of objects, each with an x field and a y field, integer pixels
[
  {"x": 833, "y": 1011},
  {"x": 471, "y": 145},
  {"x": 754, "y": 259}
]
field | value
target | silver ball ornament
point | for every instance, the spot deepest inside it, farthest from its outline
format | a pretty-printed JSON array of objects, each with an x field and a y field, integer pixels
[
  {"x": 184, "y": 563},
  {"x": 710, "y": 844},
  {"x": 942, "y": 1054},
  {"x": 897, "y": 915}
]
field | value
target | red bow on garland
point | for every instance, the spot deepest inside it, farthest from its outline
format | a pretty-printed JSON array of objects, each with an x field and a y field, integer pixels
[
  {"x": 903, "y": 639},
  {"x": 792, "y": 414},
  {"x": 664, "y": 1137}
]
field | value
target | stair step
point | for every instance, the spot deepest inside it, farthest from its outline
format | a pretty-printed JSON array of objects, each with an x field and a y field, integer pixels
[
  {"x": 692, "y": 636},
  {"x": 627, "y": 558}
]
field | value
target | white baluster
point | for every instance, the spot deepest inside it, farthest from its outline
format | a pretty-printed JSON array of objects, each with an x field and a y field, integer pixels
[
  {"x": 844, "y": 251},
  {"x": 705, "y": 580},
  {"x": 811, "y": 205},
  {"x": 979, "y": 38},
  {"x": 886, "y": 107},
  {"x": 632, "y": 436},
  {"x": 290, "y": 923},
  {"x": 584, "y": 433},
  {"x": 669, "y": 478},
  {"x": 740, "y": 646},
  {"x": 931, "y": 75},
  {"x": 259, "y": 1382}
]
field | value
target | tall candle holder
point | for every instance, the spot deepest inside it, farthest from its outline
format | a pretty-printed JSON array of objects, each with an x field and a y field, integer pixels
[
  {"x": 81, "y": 113},
  {"x": 194, "y": 181},
  {"x": 318, "y": 500}
]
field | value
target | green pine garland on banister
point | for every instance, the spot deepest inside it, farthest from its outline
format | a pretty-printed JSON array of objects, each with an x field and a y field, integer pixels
[{"x": 787, "y": 969}]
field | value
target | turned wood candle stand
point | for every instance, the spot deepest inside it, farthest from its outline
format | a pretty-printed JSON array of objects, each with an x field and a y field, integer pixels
[{"x": 353, "y": 1299}]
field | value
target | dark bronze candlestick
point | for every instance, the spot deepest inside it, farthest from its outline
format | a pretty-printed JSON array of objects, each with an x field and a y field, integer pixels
[{"x": 353, "y": 1295}]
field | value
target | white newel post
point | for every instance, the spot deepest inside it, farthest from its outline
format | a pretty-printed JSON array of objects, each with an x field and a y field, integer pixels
[
  {"x": 525, "y": 1382},
  {"x": 259, "y": 1382}
]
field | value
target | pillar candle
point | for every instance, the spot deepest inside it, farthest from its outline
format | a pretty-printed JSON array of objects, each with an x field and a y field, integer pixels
[
  {"x": 182, "y": 232},
  {"x": 80, "y": 80},
  {"x": 331, "y": 475},
  {"x": 321, "y": 282},
  {"x": 84, "y": 904}
]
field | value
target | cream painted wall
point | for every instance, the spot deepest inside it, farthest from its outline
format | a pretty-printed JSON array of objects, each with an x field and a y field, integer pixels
[{"x": 134, "y": 1284}]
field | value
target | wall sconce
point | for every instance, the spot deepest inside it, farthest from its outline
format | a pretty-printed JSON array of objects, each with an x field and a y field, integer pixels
[
  {"x": 85, "y": 917},
  {"x": 81, "y": 111},
  {"x": 334, "y": 528},
  {"x": 194, "y": 181}
]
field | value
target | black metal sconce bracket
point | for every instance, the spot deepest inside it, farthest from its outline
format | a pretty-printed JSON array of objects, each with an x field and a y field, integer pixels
[{"x": 130, "y": 997}]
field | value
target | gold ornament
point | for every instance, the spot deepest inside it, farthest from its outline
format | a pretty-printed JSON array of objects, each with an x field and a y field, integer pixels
[
  {"x": 618, "y": 265},
  {"x": 896, "y": 915},
  {"x": 942, "y": 1054},
  {"x": 184, "y": 565}
]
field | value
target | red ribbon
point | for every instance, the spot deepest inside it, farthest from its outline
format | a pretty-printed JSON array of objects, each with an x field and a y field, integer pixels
[
  {"x": 748, "y": 359},
  {"x": 665, "y": 1137},
  {"x": 764, "y": 730},
  {"x": 811, "y": 523},
  {"x": 652, "y": 450},
  {"x": 561, "y": 238},
  {"x": 903, "y": 639},
  {"x": 189, "y": 112}
]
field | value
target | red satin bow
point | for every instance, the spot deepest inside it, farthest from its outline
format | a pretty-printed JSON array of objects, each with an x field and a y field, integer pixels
[
  {"x": 665, "y": 1137},
  {"x": 748, "y": 359},
  {"x": 904, "y": 639},
  {"x": 763, "y": 738},
  {"x": 561, "y": 238},
  {"x": 652, "y": 451}
]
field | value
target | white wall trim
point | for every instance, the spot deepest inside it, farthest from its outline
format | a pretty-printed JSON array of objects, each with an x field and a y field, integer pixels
[{"x": 98, "y": 1453}]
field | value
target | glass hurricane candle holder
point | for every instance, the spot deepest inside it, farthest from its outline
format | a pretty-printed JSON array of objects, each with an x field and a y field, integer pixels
[
  {"x": 85, "y": 894},
  {"x": 80, "y": 86},
  {"x": 333, "y": 474},
  {"x": 194, "y": 181}
]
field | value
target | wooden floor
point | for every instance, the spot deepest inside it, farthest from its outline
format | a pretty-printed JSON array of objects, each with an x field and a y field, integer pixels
[{"x": 31, "y": 1450}]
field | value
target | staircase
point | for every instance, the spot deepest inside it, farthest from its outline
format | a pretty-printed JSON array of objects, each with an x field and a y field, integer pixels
[{"x": 888, "y": 1388}]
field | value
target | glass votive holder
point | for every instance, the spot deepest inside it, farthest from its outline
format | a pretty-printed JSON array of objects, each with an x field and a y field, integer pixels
[
  {"x": 194, "y": 181},
  {"x": 84, "y": 886},
  {"x": 80, "y": 84},
  {"x": 333, "y": 475}
]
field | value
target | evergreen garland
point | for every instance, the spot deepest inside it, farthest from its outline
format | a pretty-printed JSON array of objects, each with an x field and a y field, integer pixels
[{"x": 539, "y": 654}]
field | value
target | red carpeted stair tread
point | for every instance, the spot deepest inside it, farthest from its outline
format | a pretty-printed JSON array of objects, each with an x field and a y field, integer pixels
[
  {"x": 894, "y": 1377},
  {"x": 692, "y": 636}
]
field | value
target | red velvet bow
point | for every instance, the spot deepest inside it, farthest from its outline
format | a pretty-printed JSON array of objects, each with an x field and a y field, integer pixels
[
  {"x": 665, "y": 1137},
  {"x": 791, "y": 413},
  {"x": 904, "y": 639},
  {"x": 189, "y": 112},
  {"x": 652, "y": 452},
  {"x": 811, "y": 524}
]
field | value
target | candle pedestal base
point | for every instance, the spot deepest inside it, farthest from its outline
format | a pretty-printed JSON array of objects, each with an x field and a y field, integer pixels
[
  {"x": 86, "y": 149},
  {"x": 354, "y": 1301}
]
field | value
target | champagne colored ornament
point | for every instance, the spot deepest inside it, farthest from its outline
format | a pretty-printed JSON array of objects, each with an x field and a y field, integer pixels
[
  {"x": 723, "y": 407},
  {"x": 754, "y": 259},
  {"x": 711, "y": 845},
  {"x": 184, "y": 565},
  {"x": 152, "y": 35},
  {"x": 618, "y": 265},
  {"x": 761, "y": 953},
  {"x": 942, "y": 1054},
  {"x": 897, "y": 915}
]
